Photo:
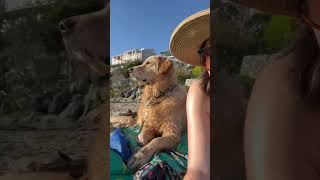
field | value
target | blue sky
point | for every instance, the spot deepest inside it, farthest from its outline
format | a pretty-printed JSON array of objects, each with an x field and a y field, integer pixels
[{"x": 147, "y": 23}]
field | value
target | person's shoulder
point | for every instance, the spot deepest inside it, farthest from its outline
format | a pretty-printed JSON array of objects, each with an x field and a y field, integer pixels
[
  {"x": 195, "y": 84},
  {"x": 196, "y": 88},
  {"x": 278, "y": 70},
  {"x": 274, "y": 87},
  {"x": 275, "y": 76},
  {"x": 272, "y": 109},
  {"x": 196, "y": 94}
]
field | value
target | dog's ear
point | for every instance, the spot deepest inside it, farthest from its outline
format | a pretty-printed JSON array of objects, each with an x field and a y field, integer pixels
[{"x": 164, "y": 66}]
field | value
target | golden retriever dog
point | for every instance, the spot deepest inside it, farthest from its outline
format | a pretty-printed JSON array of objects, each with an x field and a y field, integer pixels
[{"x": 162, "y": 109}]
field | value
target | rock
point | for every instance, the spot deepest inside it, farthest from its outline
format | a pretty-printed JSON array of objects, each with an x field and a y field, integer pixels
[
  {"x": 117, "y": 107},
  {"x": 21, "y": 165},
  {"x": 74, "y": 109},
  {"x": 7, "y": 121},
  {"x": 40, "y": 103},
  {"x": 253, "y": 64},
  {"x": 33, "y": 163},
  {"x": 128, "y": 93},
  {"x": 53, "y": 122},
  {"x": 72, "y": 88},
  {"x": 92, "y": 98},
  {"x": 103, "y": 92},
  {"x": 189, "y": 82},
  {"x": 133, "y": 95},
  {"x": 123, "y": 94},
  {"x": 3, "y": 93},
  {"x": 79, "y": 86},
  {"x": 47, "y": 121},
  {"x": 11, "y": 77},
  {"x": 119, "y": 83},
  {"x": 139, "y": 92},
  {"x": 4, "y": 105},
  {"x": 59, "y": 102},
  {"x": 93, "y": 118},
  {"x": 29, "y": 120},
  {"x": 22, "y": 103},
  {"x": 134, "y": 88},
  {"x": 30, "y": 151}
]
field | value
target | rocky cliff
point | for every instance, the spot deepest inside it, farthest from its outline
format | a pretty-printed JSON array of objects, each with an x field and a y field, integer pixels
[{"x": 47, "y": 113}]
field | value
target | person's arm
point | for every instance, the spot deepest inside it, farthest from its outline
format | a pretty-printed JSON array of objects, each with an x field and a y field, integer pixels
[
  {"x": 198, "y": 134},
  {"x": 269, "y": 126}
]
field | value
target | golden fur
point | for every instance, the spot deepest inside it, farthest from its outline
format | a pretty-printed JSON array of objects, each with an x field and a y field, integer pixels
[{"x": 161, "y": 110}]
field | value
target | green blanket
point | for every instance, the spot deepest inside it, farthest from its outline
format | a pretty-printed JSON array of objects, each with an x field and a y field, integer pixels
[{"x": 119, "y": 170}]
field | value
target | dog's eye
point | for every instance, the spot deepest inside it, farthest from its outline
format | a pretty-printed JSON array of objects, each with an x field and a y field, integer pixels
[{"x": 147, "y": 62}]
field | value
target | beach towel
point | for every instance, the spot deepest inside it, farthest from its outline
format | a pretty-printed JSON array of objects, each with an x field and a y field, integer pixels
[{"x": 173, "y": 162}]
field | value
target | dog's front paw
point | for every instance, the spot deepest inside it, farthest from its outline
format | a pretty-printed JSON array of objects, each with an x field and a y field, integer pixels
[{"x": 138, "y": 159}]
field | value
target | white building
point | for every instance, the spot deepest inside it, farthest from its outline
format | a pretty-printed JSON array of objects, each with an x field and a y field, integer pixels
[
  {"x": 131, "y": 55},
  {"x": 169, "y": 55}
]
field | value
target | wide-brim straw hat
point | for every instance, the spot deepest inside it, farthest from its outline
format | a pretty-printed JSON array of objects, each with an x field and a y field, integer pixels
[
  {"x": 189, "y": 35},
  {"x": 294, "y": 8}
]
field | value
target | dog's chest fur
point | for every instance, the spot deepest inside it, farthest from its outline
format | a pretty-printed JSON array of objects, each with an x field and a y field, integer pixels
[{"x": 157, "y": 112}]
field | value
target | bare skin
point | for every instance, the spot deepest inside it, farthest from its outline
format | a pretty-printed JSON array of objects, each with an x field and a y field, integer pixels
[
  {"x": 198, "y": 115},
  {"x": 281, "y": 132}
]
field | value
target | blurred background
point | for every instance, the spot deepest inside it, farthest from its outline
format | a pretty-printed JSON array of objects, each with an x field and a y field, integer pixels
[
  {"x": 48, "y": 101},
  {"x": 248, "y": 39}
]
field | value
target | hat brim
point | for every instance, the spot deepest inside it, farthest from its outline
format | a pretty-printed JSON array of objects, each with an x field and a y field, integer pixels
[{"x": 189, "y": 36}]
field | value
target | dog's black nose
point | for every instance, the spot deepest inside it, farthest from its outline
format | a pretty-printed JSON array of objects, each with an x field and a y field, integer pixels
[
  {"x": 130, "y": 69},
  {"x": 67, "y": 25}
]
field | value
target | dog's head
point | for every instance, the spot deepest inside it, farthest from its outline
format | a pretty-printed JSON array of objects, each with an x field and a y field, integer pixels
[
  {"x": 153, "y": 69},
  {"x": 86, "y": 38}
]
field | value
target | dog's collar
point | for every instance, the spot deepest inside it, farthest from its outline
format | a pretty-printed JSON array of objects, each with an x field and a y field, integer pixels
[{"x": 161, "y": 94}]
